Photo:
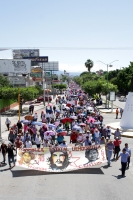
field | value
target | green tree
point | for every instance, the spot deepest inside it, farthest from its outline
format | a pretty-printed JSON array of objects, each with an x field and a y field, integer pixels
[
  {"x": 89, "y": 64},
  {"x": 4, "y": 82}
]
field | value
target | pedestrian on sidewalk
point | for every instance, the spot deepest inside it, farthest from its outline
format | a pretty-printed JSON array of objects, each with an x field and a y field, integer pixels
[
  {"x": 110, "y": 148},
  {"x": 117, "y": 112},
  {"x": 10, "y": 153},
  {"x": 7, "y": 122},
  {"x": 128, "y": 150},
  {"x": 3, "y": 149},
  {"x": 121, "y": 112},
  {"x": 124, "y": 158}
]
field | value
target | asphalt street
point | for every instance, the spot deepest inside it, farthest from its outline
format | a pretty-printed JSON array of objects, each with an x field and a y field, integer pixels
[{"x": 100, "y": 182}]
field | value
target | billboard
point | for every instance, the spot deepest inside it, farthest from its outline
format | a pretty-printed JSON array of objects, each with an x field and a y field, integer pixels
[
  {"x": 22, "y": 53},
  {"x": 36, "y": 74},
  {"x": 15, "y": 66},
  {"x": 38, "y": 59},
  {"x": 50, "y": 66}
]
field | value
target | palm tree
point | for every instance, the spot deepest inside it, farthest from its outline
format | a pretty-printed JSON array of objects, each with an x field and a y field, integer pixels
[{"x": 89, "y": 64}]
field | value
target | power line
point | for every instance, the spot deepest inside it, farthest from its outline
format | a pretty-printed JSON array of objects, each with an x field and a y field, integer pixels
[{"x": 70, "y": 48}]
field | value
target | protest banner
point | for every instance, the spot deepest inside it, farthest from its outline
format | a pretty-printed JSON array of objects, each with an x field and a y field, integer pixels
[{"x": 60, "y": 159}]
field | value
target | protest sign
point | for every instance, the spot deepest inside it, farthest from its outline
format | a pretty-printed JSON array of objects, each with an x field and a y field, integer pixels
[{"x": 60, "y": 159}]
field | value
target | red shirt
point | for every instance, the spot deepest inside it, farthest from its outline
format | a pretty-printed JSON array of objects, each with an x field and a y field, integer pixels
[
  {"x": 117, "y": 143},
  {"x": 73, "y": 137}
]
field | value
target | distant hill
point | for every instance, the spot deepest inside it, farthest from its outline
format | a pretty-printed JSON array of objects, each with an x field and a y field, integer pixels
[{"x": 70, "y": 73}]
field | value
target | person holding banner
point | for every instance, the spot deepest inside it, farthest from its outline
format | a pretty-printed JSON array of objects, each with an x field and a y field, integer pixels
[{"x": 110, "y": 148}]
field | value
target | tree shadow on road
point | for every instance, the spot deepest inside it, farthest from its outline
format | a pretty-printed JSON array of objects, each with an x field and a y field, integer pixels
[{"x": 23, "y": 173}]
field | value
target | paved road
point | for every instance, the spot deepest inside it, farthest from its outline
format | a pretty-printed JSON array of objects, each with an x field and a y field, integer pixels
[{"x": 100, "y": 182}]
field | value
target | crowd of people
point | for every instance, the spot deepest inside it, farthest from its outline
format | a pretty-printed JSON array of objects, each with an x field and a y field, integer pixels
[{"x": 73, "y": 115}]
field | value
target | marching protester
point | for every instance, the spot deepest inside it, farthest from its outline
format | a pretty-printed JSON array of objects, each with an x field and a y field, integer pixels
[
  {"x": 117, "y": 149},
  {"x": 124, "y": 159},
  {"x": 9, "y": 150},
  {"x": 110, "y": 148},
  {"x": 38, "y": 141},
  {"x": 128, "y": 150}
]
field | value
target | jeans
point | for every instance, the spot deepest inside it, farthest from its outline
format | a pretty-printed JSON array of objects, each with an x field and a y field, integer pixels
[
  {"x": 97, "y": 140},
  {"x": 9, "y": 160},
  {"x": 109, "y": 156},
  {"x": 124, "y": 164}
]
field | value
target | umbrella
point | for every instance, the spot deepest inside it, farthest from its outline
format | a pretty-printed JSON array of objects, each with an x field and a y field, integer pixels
[
  {"x": 64, "y": 133},
  {"x": 67, "y": 108},
  {"x": 76, "y": 127},
  {"x": 51, "y": 125},
  {"x": 82, "y": 124},
  {"x": 49, "y": 132},
  {"x": 73, "y": 117},
  {"x": 91, "y": 119},
  {"x": 81, "y": 114},
  {"x": 25, "y": 121},
  {"x": 66, "y": 120},
  {"x": 37, "y": 123},
  {"x": 58, "y": 111},
  {"x": 29, "y": 117},
  {"x": 56, "y": 123},
  {"x": 97, "y": 123},
  {"x": 68, "y": 105}
]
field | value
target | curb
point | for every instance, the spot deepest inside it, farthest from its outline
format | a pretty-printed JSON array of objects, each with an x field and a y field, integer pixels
[{"x": 126, "y": 136}]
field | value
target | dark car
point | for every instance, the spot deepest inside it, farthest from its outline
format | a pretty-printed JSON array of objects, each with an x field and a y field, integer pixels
[{"x": 41, "y": 98}]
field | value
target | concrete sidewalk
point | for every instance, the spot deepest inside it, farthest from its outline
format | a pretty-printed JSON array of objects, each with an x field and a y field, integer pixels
[{"x": 124, "y": 133}]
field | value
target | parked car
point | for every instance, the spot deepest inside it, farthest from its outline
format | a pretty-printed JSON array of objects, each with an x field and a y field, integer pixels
[
  {"x": 41, "y": 98},
  {"x": 122, "y": 99}
]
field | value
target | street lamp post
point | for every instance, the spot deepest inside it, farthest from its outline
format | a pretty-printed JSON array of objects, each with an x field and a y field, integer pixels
[{"x": 108, "y": 65}]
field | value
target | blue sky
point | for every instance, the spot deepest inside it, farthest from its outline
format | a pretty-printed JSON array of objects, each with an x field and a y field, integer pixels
[{"x": 69, "y": 23}]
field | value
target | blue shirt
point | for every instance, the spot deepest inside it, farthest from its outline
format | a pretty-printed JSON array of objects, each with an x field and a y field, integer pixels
[
  {"x": 128, "y": 150},
  {"x": 124, "y": 157}
]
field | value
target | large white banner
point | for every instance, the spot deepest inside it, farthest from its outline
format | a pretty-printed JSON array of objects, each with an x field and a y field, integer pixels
[
  {"x": 21, "y": 53},
  {"x": 15, "y": 66},
  {"x": 60, "y": 159}
]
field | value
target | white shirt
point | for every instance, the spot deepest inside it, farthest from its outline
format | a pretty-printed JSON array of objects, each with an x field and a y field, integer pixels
[
  {"x": 80, "y": 138},
  {"x": 38, "y": 140},
  {"x": 35, "y": 116},
  {"x": 28, "y": 144},
  {"x": 47, "y": 137}
]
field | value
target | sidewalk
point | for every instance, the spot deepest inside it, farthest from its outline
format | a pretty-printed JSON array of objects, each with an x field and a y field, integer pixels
[{"x": 124, "y": 133}]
